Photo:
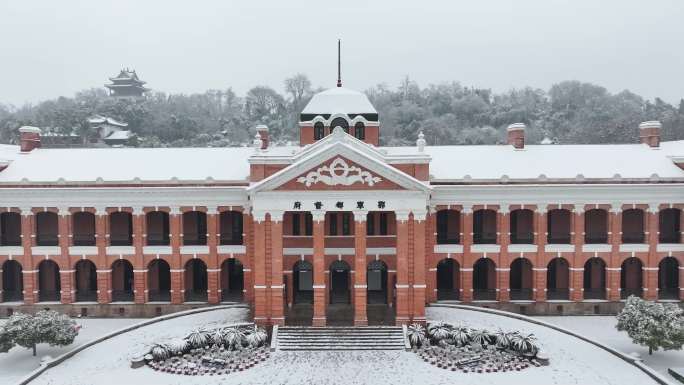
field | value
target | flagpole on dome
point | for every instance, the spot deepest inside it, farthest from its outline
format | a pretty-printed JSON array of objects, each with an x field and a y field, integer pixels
[{"x": 339, "y": 64}]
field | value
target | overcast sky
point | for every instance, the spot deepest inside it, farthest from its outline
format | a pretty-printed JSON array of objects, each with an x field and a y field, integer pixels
[{"x": 51, "y": 48}]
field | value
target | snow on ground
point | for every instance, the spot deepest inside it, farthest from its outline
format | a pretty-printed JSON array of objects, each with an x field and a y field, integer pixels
[
  {"x": 602, "y": 329},
  {"x": 19, "y": 362},
  {"x": 109, "y": 361},
  {"x": 572, "y": 361}
]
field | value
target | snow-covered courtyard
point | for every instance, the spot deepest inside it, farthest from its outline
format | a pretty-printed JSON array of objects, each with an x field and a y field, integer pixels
[
  {"x": 20, "y": 361},
  {"x": 572, "y": 361},
  {"x": 602, "y": 329}
]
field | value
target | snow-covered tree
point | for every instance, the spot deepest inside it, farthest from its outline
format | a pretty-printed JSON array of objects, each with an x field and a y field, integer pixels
[
  {"x": 651, "y": 324},
  {"x": 46, "y": 326}
]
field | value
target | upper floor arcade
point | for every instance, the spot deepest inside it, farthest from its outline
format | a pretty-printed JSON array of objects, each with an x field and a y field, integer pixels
[
  {"x": 119, "y": 227},
  {"x": 559, "y": 224}
]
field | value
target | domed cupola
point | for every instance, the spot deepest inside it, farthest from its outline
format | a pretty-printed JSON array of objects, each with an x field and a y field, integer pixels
[{"x": 341, "y": 107}]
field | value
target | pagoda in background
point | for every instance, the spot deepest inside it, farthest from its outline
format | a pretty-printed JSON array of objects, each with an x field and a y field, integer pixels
[{"x": 126, "y": 85}]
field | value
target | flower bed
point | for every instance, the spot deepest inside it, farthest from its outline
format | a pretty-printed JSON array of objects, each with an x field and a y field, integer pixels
[
  {"x": 210, "y": 352},
  {"x": 460, "y": 348}
]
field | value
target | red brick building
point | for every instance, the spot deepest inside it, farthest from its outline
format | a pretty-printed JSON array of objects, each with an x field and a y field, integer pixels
[{"x": 338, "y": 222}]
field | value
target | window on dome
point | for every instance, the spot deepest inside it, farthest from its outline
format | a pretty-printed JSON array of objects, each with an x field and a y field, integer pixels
[
  {"x": 319, "y": 131},
  {"x": 360, "y": 131},
  {"x": 340, "y": 122}
]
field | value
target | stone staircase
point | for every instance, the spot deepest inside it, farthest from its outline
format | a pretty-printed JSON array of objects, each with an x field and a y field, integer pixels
[{"x": 340, "y": 338}]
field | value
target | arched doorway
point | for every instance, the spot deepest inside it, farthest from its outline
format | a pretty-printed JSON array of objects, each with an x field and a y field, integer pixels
[
  {"x": 196, "y": 281},
  {"x": 595, "y": 279},
  {"x": 668, "y": 279},
  {"x": 376, "y": 276},
  {"x": 448, "y": 280},
  {"x": 122, "y": 281},
  {"x": 484, "y": 280},
  {"x": 49, "y": 283},
  {"x": 521, "y": 280},
  {"x": 159, "y": 281},
  {"x": 86, "y": 281},
  {"x": 339, "y": 282},
  {"x": 232, "y": 280},
  {"x": 558, "y": 279},
  {"x": 631, "y": 282},
  {"x": 302, "y": 280},
  {"x": 12, "y": 282}
]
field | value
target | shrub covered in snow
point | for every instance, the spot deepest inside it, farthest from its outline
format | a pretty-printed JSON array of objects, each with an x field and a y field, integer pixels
[
  {"x": 46, "y": 326},
  {"x": 416, "y": 334},
  {"x": 444, "y": 334},
  {"x": 652, "y": 324},
  {"x": 205, "y": 351}
]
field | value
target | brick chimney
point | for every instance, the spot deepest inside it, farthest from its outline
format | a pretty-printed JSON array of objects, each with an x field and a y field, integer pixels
[
  {"x": 263, "y": 133},
  {"x": 649, "y": 133},
  {"x": 29, "y": 138},
  {"x": 516, "y": 135}
]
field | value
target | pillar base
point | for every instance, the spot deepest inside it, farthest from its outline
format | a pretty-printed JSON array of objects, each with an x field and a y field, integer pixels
[
  {"x": 261, "y": 321},
  {"x": 360, "y": 322},
  {"x": 318, "y": 321},
  {"x": 402, "y": 321},
  {"x": 280, "y": 321}
]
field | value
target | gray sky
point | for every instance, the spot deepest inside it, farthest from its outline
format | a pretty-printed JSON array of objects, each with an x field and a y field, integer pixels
[{"x": 51, "y": 48}]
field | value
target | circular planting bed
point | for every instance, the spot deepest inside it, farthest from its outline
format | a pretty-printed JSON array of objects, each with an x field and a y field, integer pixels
[
  {"x": 211, "y": 361},
  {"x": 460, "y": 348}
]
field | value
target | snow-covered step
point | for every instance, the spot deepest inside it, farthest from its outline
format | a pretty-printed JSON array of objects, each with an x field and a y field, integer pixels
[{"x": 340, "y": 338}]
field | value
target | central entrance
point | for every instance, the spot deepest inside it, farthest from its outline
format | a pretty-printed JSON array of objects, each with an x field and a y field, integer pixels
[{"x": 339, "y": 283}]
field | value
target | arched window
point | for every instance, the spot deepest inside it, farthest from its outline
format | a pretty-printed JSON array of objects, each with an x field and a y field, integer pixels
[
  {"x": 13, "y": 284},
  {"x": 596, "y": 226},
  {"x": 360, "y": 131},
  {"x": 194, "y": 228},
  {"x": 10, "y": 229},
  {"x": 159, "y": 281},
  {"x": 231, "y": 228},
  {"x": 157, "y": 228},
  {"x": 558, "y": 279},
  {"x": 484, "y": 280},
  {"x": 232, "y": 280},
  {"x": 448, "y": 280},
  {"x": 484, "y": 226},
  {"x": 633, "y": 226},
  {"x": 631, "y": 278},
  {"x": 86, "y": 281},
  {"x": 122, "y": 281},
  {"x": 668, "y": 278},
  {"x": 448, "y": 227},
  {"x": 595, "y": 279},
  {"x": 196, "y": 282},
  {"x": 558, "y": 226},
  {"x": 340, "y": 122},
  {"x": 521, "y": 280},
  {"x": 669, "y": 228},
  {"x": 522, "y": 226},
  {"x": 46, "y": 229},
  {"x": 83, "y": 228},
  {"x": 319, "y": 131}
]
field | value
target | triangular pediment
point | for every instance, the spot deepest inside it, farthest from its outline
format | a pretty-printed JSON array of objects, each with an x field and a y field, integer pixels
[
  {"x": 339, "y": 173},
  {"x": 339, "y": 162}
]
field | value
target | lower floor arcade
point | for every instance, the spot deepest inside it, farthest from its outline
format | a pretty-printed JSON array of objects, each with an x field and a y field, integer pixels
[{"x": 557, "y": 280}]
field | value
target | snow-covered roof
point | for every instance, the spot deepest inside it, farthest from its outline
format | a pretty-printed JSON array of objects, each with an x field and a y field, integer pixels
[
  {"x": 99, "y": 119},
  {"x": 120, "y": 135},
  {"x": 592, "y": 161},
  {"x": 127, "y": 164},
  {"x": 448, "y": 163},
  {"x": 339, "y": 100}
]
